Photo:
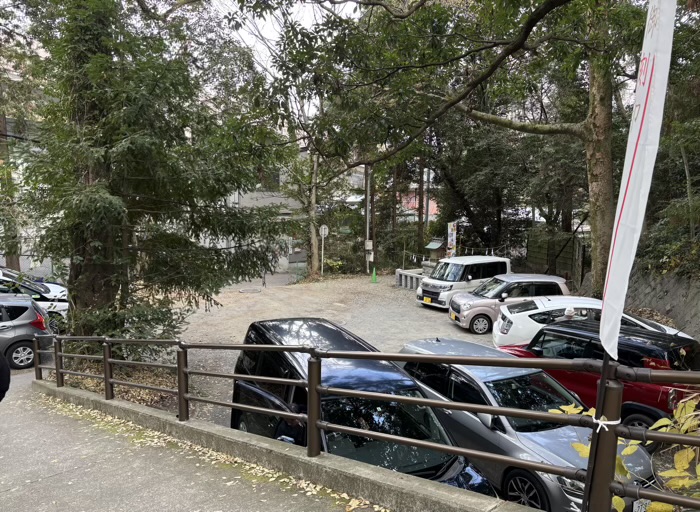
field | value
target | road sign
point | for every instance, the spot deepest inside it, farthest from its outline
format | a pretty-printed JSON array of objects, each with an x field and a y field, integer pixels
[{"x": 323, "y": 231}]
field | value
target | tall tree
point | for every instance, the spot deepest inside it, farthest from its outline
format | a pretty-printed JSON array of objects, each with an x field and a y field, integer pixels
[{"x": 136, "y": 162}]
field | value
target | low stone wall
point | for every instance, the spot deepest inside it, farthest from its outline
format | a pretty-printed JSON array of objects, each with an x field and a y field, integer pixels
[{"x": 674, "y": 296}]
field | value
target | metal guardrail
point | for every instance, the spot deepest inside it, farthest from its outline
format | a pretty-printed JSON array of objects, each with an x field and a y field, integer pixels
[{"x": 600, "y": 484}]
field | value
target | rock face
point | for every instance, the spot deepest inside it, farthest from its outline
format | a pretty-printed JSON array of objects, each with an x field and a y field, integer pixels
[{"x": 674, "y": 296}]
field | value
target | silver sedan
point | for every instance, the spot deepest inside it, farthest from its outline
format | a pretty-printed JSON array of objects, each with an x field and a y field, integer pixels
[{"x": 525, "y": 439}]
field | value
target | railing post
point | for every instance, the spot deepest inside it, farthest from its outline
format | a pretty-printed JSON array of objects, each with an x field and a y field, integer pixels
[
  {"x": 57, "y": 350},
  {"x": 313, "y": 434},
  {"x": 605, "y": 455},
  {"x": 183, "y": 404},
  {"x": 106, "y": 356},
  {"x": 37, "y": 360}
]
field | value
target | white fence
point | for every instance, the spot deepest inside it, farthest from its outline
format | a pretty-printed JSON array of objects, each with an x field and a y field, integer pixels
[{"x": 409, "y": 278}]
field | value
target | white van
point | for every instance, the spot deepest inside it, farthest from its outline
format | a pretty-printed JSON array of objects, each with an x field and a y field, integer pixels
[{"x": 460, "y": 274}]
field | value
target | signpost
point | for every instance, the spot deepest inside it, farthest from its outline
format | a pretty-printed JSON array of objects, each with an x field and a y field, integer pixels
[{"x": 323, "y": 231}]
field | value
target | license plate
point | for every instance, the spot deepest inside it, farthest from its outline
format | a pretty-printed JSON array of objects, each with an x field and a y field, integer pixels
[
  {"x": 454, "y": 317},
  {"x": 640, "y": 505},
  {"x": 427, "y": 300}
]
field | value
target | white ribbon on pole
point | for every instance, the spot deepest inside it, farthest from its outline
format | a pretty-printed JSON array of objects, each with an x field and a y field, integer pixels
[{"x": 642, "y": 146}]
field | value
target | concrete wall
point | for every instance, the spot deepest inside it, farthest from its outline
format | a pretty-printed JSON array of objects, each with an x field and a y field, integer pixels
[{"x": 674, "y": 296}]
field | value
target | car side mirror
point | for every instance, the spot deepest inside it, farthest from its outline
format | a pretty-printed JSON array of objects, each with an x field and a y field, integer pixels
[
  {"x": 486, "y": 419},
  {"x": 469, "y": 278},
  {"x": 504, "y": 296},
  {"x": 537, "y": 351}
]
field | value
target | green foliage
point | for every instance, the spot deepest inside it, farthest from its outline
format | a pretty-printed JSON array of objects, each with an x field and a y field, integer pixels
[{"x": 135, "y": 166}]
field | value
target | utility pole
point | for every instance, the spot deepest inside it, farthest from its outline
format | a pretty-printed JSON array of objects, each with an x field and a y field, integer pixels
[{"x": 369, "y": 256}]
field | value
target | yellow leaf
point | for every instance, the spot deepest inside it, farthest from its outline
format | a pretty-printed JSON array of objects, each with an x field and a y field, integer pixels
[
  {"x": 618, "y": 504},
  {"x": 555, "y": 411},
  {"x": 656, "y": 506},
  {"x": 684, "y": 409},
  {"x": 680, "y": 483},
  {"x": 691, "y": 423},
  {"x": 571, "y": 409},
  {"x": 590, "y": 412},
  {"x": 621, "y": 469},
  {"x": 663, "y": 422},
  {"x": 629, "y": 450},
  {"x": 673, "y": 472},
  {"x": 682, "y": 459},
  {"x": 583, "y": 450}
]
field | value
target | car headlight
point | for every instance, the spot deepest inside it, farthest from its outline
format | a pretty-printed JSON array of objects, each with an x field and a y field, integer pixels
[
  {"x": 467, "y": 305},
  {"x": 571, "y": 487},
  {"x": 445, "y": 287}
]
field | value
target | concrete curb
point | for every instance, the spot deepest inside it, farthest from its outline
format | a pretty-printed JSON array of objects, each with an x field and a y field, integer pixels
[{"x": 396, "y": 491}]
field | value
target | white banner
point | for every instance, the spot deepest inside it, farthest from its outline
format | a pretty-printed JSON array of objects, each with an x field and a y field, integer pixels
[
  {"x": 451, "y": 239},
  {"x": 642, "y": 145}
]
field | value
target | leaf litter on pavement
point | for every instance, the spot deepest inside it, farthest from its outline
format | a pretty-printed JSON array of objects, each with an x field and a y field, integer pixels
[{"x": 256, "y": 474}]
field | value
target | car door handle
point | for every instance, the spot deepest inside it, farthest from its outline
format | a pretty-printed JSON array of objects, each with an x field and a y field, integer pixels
[
  {"x": 4, "y": 327},
  {"x": 448, "y": 411}
]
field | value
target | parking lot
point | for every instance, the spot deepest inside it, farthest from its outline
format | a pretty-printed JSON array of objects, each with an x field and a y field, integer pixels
[{"x": 381, "y": 313}]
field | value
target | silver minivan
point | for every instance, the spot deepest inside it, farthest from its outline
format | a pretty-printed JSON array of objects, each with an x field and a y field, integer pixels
[{"x": 459, "y": 274}]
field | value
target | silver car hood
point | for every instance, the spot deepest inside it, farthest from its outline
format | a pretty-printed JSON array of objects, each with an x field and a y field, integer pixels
[
  {"x": 470, "y": 298},
  {"x": 556, "y": 447},
  {"x": 56, "y": 291}
]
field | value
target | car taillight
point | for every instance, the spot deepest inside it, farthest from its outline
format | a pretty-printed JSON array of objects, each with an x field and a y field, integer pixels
[
  {"x": 656, "y": 364},
  {"x": 505, "y": 326},
  {"x": 38, "y": 322}
]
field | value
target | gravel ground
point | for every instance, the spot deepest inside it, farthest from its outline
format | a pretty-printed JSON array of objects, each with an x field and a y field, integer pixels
[{"x": 381, "y": 313}]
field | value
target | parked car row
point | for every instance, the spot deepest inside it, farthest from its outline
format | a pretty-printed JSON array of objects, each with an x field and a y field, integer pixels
[
  {"x": 495, "y": 386},
  {"x": 28, "y": 306}
]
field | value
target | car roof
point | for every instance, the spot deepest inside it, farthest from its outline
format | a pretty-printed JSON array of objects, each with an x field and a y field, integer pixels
[
  {"x": 455, "y": 347},
  {"x": 466, "y": 260},
  {"x": 323, "y": 334},
  {"x": 550, "y": 302},
  {"x": 518, "y": 278},
  {"x": 629, "y": 336},
  {"x": 15, "y": 298}
]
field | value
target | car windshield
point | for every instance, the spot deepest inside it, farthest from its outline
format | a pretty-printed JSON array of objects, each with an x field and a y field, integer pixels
[
  {"x": 490, "y": 289},
  {"x": 445, "y": 271},
  {"x": 535, "y": 392},
  {"x": 393, "y": 418}
]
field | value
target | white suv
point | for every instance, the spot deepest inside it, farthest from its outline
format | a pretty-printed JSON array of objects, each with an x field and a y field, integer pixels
[{"x": 518, "y": 323}]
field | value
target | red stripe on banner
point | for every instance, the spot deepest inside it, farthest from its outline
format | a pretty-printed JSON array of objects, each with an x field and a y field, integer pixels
[{"x": 629, "y": 178}]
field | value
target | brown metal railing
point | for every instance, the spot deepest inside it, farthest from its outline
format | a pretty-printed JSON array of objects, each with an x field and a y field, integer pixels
[{"x": 600, "y": 484}]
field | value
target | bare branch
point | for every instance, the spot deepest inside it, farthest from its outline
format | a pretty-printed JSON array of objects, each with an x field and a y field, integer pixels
[
  {"x": 396, "y": 13},
  {"x": 515, "y": 45},
  {"x": 574, "y": 129},
  {"x": 154, "y": 15}
]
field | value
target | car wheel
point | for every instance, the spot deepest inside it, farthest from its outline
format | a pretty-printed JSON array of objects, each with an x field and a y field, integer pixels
[
  {"x": 480, "y": 324},
  {"x": 523, "y": 488},
  {"x": 21, "y": 355},
  {"x": 641, "y": 421}
]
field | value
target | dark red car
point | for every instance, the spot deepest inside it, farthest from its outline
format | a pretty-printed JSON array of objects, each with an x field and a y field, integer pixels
[{"x": 643, "y": 403}]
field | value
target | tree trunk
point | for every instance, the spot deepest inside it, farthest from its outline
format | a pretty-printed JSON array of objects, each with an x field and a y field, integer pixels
[
  {"x": 598, "y": 145},
  {"x": 566, "y": 208},
  {"x": 689, "y": 191},
  {"x": 315, "y": 267},
  {"x": 421, "y": 185},
  {"x": 12, "y": 245},
  {"x": 394, "y": 200}
]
